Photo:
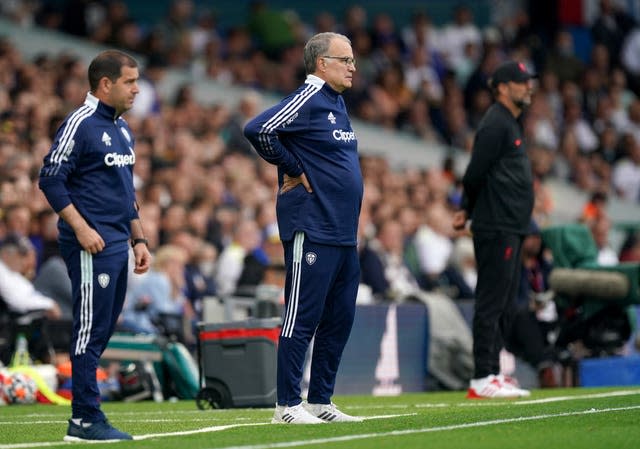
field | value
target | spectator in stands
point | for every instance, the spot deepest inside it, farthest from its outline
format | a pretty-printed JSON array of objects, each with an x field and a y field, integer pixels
[
  {"x": 626, "y": 171},
  {"x": 148, "y": 101},
  {"x": 611, "y": 27},
  {"x": 354, "y": 20},
  {"x": 600, "y": 229},
  {"x": 175, "y": 30},
  {"x": 199, "y": 270},
  {"x": 594, "y": 208},
  {"x": 630, "y": 251},
  {"x": 53, "y": 281},
  {"x": 621, "y": 96},
  {"x": 456, "y": 34},
  {"x": 248, "y": 107},
  {"x": 174, "y": 219},
  {"x": 270, "y": 28},
  {"x": 157, "y": 305},
  {"x": 462, "y": 272},
  {"x": 244, "y": 246},
  {"x": 632, "y": 123},
  {"x": 575, "y": 123},
  {"x": 52, "y": 278},
  {"x": 562, "y": 60},
  {"x": 27, "y": 307},
  {"x": 535, "y": 315},
  {"x": 479, "y": 78},
  {"x": 385, "y": 272},
  {"x": 421, "y": 77},
  {"x": 199, "y": 276},
  {"x": 16, "y": 289},
  {"x": 433, "y": 243},
  {"x": 17, "y": 219}
]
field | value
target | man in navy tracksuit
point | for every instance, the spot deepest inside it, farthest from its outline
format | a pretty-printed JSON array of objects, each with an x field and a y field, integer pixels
[
  {"x": 87, "y": 178},
  {"x": 309, "y": 137}
]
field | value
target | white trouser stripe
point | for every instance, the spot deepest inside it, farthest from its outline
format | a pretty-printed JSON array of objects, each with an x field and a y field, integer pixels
[
  {"x": 86, "y": 302},
  {"x": 292, "y": 307}
]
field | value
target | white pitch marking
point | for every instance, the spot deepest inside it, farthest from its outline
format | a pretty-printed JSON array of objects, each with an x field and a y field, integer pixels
[
  {"x": 192, "y": 432},
  {"x": 373, "y": 435},
  {"x": 426, "y": 429}
]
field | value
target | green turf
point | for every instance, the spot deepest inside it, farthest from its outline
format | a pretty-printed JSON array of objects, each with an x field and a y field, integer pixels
[{"x": 569, "y": 418}]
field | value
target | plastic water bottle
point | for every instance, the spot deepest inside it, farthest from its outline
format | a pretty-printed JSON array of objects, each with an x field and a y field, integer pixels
[{"x": 21, "y": 355}]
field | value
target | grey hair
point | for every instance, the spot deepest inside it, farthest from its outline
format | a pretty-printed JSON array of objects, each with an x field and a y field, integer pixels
[{"x": 317, "y": 46}]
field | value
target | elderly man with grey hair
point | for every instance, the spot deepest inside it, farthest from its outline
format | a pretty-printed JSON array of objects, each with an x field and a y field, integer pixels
[{"x": 309, "y": 137}]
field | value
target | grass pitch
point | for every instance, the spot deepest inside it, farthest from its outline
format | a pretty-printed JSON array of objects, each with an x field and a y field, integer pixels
[{"x": 563, "y": 418}]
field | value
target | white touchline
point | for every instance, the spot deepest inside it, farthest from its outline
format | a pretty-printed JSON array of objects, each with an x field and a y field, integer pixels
[
  {"x": 426, "y": 429},
  {"x": 376, "y": 435}
]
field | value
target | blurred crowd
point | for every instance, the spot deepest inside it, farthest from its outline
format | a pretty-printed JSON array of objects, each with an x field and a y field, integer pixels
[{"x": 205, "y": 195}]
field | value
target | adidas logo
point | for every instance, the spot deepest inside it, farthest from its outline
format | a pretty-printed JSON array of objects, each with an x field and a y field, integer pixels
[
  {"x": 106, "y": 139},
  {"x": 331, "y": 118}
]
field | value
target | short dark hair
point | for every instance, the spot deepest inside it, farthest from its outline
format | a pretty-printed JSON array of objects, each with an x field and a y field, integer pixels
[{"x": 109, "y": 63}]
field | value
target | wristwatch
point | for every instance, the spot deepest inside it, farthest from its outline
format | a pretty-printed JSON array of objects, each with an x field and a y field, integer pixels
[{"x": 134, "y": 242}]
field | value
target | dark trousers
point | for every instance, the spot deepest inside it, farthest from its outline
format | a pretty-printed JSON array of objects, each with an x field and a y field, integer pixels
[
  {"x": 498, "y": 263},
  {"x": 320, "y": 300},
  {"x": 99, "y": 284}
]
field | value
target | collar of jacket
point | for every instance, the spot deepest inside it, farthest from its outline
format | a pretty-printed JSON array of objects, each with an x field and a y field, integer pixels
[
  {"x": 101, "y": 108},
  {"x": 323, "y": 85}
]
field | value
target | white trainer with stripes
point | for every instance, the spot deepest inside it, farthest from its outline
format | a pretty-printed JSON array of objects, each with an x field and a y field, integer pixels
[
  {"x": 296, "y": 414},
  {"x": 330, "y": 413},
  {"x": 495, "y": 387}
]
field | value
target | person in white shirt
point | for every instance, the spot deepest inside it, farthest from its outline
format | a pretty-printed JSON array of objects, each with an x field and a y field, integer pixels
[
  {"x": 16, "y": 290},
  {"x": 625, "y": 175},
  {"x": 230, "y": 264},
  {"x": 27, "y": 309}
]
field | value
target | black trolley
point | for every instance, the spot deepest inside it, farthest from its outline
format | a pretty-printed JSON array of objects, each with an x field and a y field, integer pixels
[{"x": 237, "y": 363}]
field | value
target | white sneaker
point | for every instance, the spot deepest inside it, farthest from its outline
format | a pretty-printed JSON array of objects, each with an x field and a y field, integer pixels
[
  {"x": 295, "y": 414},
  {"x": 330, "y": 413},
  {"x": 493, "y": 387},
  {"x": 513, "y": 384}
]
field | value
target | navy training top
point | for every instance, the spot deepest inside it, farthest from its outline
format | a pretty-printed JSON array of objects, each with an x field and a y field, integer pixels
[
  {"x": 309, "y": 131},
  {"x": 90, "y": 164}
]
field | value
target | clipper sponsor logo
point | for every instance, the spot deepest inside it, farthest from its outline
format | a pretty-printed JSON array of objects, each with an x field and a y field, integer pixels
[
  {"x": 344, "y": 136},
  {"x": 311, "y": 258},
  {"x": 103, "y": 280},
  {"x": 119, "y": 160},
  {"x": 106, "y": 139}
]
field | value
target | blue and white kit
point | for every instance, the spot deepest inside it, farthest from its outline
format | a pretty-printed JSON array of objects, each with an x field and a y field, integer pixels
[
  {"x": 90, "y": 165},
  {"x": 310, "y": 132}
]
